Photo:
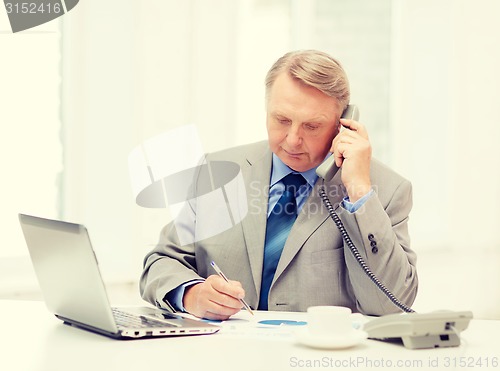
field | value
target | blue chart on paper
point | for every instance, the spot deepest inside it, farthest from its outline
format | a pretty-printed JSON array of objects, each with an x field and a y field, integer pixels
[{"x": 280, "y": 322}]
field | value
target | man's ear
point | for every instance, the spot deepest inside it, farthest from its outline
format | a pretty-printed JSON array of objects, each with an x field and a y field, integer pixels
[{"x": 337, "y": 128}]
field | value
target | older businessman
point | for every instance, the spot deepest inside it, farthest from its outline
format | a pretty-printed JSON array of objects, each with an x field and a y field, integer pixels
[{"x": 287, "y": 253}]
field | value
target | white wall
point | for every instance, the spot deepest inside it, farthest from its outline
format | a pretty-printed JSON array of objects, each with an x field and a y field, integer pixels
[
  {"x": 445, "y": 121},
  {"x": 446, "y": 131}
]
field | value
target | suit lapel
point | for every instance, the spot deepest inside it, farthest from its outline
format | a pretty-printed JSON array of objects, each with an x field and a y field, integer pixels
[
  {"x": 312, "y": 215},
  {"x": 256, "y": 176}
]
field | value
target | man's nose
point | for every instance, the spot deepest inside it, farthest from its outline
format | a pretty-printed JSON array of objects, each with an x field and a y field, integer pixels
[{"x": 294, "y": 136}]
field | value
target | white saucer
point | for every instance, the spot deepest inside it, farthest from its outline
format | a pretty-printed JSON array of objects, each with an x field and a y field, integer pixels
[{"x": 330, "y": 342}]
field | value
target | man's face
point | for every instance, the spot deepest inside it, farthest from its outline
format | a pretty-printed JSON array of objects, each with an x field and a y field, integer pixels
[{"x": 301, "y": 123}]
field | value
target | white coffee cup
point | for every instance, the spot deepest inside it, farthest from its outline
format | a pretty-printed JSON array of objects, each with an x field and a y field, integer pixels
[{"x": 329, "y": 321}]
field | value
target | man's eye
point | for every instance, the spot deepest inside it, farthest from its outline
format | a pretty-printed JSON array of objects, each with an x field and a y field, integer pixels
[
  {"x": 312, "y": 127},
  {"x": 283, "y": 121}
]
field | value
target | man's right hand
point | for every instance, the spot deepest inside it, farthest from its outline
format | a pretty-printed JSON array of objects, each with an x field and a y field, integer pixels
[{"x": 214, "y": 298}]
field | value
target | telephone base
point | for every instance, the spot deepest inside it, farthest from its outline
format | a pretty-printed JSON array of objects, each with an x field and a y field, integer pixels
[
  {"x": 424, "y": 342},
  {"x": 420, "y": 331},
  {"x": 431, "y": 341}
]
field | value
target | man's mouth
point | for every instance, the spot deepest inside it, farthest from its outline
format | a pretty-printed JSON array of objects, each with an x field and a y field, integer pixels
[{"x": 294, "y": 154}]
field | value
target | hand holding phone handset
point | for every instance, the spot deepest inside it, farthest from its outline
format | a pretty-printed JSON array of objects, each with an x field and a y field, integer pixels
[
  {"x": 328, "y": 168},
  {"x": 441, "y": 329}
]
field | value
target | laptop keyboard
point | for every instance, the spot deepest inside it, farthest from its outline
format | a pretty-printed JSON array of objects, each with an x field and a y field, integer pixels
[{"x": 125, "y": 319}]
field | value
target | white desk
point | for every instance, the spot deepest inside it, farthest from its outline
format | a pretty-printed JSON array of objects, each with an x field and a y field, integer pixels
[{"x": 33, "y": 339}]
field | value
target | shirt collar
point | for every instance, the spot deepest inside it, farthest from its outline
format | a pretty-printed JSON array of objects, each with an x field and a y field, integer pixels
[{"x": 280, "y": 170}]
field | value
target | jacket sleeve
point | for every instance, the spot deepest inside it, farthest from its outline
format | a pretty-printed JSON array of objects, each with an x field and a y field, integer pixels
[{"x": 380, "y": 233}]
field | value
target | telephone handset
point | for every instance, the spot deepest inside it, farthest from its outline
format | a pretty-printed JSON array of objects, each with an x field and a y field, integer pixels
[
  {"x": 416, "y": 330},
  {"x": 328, "y": 168}
]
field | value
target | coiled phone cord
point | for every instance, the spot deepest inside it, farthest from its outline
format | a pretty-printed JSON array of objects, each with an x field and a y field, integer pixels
[{"x": 358, "y": 256}]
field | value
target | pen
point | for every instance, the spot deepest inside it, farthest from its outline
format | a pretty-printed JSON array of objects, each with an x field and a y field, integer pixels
[{"x": 220, "y": 273}]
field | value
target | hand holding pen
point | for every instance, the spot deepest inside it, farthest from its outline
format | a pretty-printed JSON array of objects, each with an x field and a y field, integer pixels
[
  {"x": 215, "y": 298},
  {"x": 219, "y": 272}
]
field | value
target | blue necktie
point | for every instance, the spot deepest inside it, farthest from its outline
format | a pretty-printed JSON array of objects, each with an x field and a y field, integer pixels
[{"x": 278, "y": 227}]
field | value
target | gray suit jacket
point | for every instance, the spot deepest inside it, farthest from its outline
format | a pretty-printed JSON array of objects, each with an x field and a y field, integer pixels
[{"x": 316, "y": 267}]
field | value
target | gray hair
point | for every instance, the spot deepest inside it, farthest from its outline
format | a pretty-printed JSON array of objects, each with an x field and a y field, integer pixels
[{"x": 313, "y": 68}]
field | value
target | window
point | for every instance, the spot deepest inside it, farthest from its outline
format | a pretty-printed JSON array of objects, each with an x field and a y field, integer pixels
[{"x": 30, "y": 145}]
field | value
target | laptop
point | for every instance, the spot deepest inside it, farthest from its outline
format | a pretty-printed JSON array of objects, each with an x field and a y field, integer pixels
[{"x": 71, "y": 283}]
